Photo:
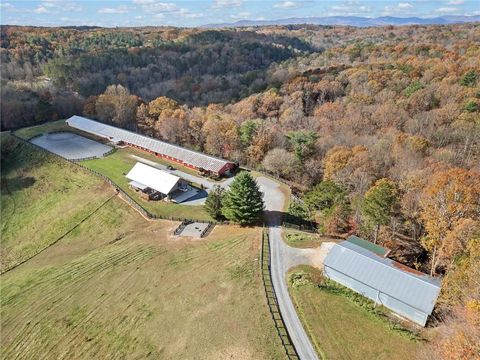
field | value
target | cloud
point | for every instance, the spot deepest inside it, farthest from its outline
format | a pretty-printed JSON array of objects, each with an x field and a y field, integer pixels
[
  {"x": 241, "y": 15},
  {"x": 6, "y": 6},
  {"x": 41, "y": 10},
  {"x": 121, "y": 9},
  {"x": 405, "y": 6},
  {"x": 456, "y": 2},
  {"x": 287, "y": 5},
  {"x": 351, "y": 7},
  {"x": 56, "y": 6},
  {"x": 447, "y": 10},
  {"x": 220, "y": 4},
  {"x": 159, "y": 9},
  {"x": 156, "y": 7},
  {"x": 188, "y": 14}
]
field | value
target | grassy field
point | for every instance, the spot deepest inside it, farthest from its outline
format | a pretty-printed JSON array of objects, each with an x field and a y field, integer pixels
[
  {"x": 53, "y": 126},
  {"x": 42, "y": 198},
  {"x": 121, "y": 287},
  {"x": 302, "y": 239},
  {"x": 342, "y": 329},
  {"x": 119, "y": 163},
  {"x": 29, "y": 132}
]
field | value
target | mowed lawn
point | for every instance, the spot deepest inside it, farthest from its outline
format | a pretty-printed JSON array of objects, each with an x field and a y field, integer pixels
[
  {"x": 29, "y": 132},
  {"x": 342, "y": 329},
  {"x": 123, "y": 287},
  {"x": 42, "y": 198},
  {"x": 303, "y": 239},
  {"x": 116, "y": 165},
  {"x": 116, "y": 285}
]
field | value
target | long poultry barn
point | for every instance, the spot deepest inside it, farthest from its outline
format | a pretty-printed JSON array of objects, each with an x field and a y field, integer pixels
[{"x": 186, "y": 157}]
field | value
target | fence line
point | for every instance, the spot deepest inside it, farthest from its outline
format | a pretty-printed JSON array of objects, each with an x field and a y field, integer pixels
[
  {"x": 180, "y": 227},
  {"x": 207, "y": 230},
  {"x": 302, "y": 227},
  {"x": 119, "y": 190},
  {"x": 272, "y": 300}
]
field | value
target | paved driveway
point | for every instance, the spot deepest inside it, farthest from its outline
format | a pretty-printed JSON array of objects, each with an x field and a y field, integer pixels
[{"x": 283, "y": 257}]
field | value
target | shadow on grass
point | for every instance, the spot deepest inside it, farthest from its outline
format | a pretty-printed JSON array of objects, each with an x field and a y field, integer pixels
[
  {"x": 17, "y": 184},
  {"x": 278, "y": 218}
]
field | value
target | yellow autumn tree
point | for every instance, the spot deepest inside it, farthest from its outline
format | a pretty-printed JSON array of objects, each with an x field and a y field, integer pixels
[
  {"x": 450, "y": 204},
  {"x": 335, "y": 160}
]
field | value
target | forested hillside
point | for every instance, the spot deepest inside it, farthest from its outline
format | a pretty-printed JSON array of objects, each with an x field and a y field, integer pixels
[{"x": 378, "y": 129}]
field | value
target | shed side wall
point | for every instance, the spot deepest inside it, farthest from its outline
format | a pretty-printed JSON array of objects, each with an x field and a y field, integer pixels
[{"x": 380, "y": 298}]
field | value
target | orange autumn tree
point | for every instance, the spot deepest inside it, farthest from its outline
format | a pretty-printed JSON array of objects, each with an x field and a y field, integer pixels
[
  {"x": 460, "y": 338},
  {"x": 450, "y": 204}
]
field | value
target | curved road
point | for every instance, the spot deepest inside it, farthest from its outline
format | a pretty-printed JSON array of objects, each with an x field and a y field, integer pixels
[{"x": 284, "y": 257}]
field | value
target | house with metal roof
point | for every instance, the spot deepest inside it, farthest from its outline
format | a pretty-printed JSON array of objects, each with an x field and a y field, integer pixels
[
  {"x": 186, "y": 157},
  {"x": 407, "y": 292},
  {"x": 143, "y": 177}
]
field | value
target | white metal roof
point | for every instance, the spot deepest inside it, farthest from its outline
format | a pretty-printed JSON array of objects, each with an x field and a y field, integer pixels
[
  {"x": 153, "y": 178},
  {"x": 190, "y": 157},
  {"x": 138, "y": 185},
  {"x": 390, "y": 277}
]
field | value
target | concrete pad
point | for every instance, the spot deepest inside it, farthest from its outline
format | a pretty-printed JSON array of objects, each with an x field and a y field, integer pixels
[
  {"x": 71, "y": 146},
  {"x": 194, "y": 229}
]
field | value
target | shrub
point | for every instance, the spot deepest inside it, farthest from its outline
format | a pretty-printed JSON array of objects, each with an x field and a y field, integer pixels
[
  {"x": 412, "y": 88},
  {"x": 469, "y": 78}
]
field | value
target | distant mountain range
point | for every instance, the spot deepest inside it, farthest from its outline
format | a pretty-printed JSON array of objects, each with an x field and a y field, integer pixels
[{"x": 353, "y": 21}]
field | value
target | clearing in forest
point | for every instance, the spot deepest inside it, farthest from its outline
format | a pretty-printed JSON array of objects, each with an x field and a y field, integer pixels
[{"x": 119, "y": 286}]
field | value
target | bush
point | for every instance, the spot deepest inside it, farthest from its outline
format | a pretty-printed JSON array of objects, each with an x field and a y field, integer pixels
[
  {"x": 471, "y": 107},
  {"x": 299, "y": 278},
  {"x": 412, "y": 88},
  {"x": 469, "y": 79}
]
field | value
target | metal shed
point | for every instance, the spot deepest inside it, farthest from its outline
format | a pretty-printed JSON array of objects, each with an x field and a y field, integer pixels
[
  {"x": 176, "y": 153},
  {"x": 407, "y": 292}
]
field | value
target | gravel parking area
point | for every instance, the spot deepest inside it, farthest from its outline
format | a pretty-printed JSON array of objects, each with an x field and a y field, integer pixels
[{"x": 71, "y": 146}]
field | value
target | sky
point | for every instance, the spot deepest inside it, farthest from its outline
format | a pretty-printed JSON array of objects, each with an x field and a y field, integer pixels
[{"x": 111, "y": 13}]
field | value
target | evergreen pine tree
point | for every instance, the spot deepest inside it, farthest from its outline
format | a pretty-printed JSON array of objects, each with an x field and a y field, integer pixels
[
  {"x": 213, "y": 204},
  {"x": 243, "y": 203},
  {"x": 379, "y": 204}
]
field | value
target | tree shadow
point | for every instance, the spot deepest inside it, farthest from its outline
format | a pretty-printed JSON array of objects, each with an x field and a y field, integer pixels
[
  {"x": 274, "y": 218},
  {"x": 17, "y": 183}
]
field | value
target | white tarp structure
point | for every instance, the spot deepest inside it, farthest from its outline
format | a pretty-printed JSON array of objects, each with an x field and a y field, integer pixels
[
  {"x": 186, "y": 156},
  {"x": 153, "y": 178}
]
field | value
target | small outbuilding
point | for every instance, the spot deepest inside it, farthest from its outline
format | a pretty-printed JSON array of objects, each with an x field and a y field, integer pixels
[
  {"x": 147, "y": 178},
  {"x": 365, "y": 269}
]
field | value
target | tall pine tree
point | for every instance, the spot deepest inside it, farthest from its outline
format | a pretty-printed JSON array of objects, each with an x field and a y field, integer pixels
[
  {"x": 379, "y": 204},
  {"x": 213, "y": 204},
  {"x": 243, "y": 203}
]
